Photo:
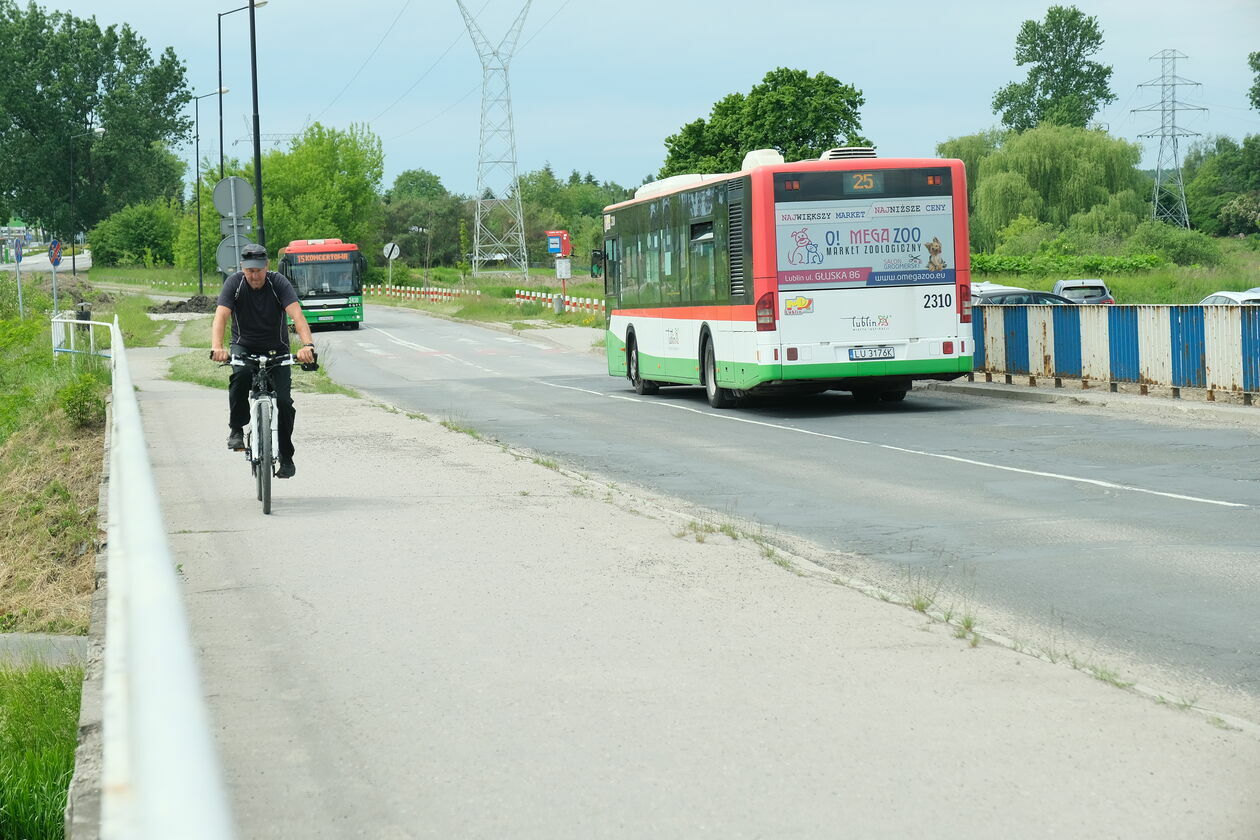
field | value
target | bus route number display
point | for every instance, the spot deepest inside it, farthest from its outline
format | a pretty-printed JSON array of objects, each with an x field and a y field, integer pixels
[{"x": 864, "y": 183}]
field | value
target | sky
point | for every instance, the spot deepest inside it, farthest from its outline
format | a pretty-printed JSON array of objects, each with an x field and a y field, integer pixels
[{"x": 597, "y": 86}]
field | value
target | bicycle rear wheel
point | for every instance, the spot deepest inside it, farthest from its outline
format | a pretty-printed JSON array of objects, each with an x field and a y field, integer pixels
[{"x": 264, "y": 450}]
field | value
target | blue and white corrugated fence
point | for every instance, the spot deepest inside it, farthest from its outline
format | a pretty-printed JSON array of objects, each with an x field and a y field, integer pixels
[{"x": 1216, "y": 348}]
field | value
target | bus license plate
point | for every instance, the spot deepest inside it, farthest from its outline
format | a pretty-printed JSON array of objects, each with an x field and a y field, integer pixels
[
  {"x": 860, "y": 353},
  {"x": 324, "y": 318}
]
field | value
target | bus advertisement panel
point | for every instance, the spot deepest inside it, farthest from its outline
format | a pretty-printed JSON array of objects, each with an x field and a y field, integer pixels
[
  {"x": 849, "y": 274},
  {"x": 328, "y": 277}
]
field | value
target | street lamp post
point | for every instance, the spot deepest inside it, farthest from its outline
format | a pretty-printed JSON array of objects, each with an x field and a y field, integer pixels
[
  {"x": 253, "y": 71},
  {"x": 197, "y": 180},
  {"x": 257, "y": 5},
  {"x": 74, "y": 227}
]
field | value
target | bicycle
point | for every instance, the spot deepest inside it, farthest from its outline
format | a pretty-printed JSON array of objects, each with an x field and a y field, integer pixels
[{"x": 262, "y": 450}]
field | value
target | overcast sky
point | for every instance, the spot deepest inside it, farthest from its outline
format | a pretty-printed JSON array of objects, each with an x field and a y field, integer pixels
[{"x": 597, "y": 85}]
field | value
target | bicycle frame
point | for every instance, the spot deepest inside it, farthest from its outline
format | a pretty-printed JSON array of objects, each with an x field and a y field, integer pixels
[{"x": 262, "y": 446}]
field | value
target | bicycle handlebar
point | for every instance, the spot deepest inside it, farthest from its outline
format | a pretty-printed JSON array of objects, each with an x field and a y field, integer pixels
[{"x": 281, "y": 359}]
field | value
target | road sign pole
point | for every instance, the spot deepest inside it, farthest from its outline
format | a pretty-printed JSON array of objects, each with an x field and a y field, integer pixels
[
  {"x": 54, "y": 282},
  {"x": 17, "y": 266}
]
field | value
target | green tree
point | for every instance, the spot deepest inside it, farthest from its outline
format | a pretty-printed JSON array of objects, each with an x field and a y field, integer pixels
[
  {"x": 438, "y": 219},
  {"x": 61, "y": 78},
  {"x": 1253, "y": 61},
  {"x": 1050, "y": 174},
  {"x": 326, "y": 186},
  {"x": 1216, "y": 171},
  {"x": 1062, "y": 86},
  {"x": 416, "y": 183},
  {"x": 799, "y": 115},
  {"x": 971, "y": 150}
]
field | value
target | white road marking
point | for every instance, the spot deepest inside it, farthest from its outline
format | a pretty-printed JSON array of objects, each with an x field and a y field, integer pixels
[
  {"x": 1110, "y": 485},
  {"x": 412, "y": 345}
]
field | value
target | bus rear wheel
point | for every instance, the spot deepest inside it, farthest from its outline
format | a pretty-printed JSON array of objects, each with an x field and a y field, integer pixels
[
  {"x": 719, "y": 397},
  {"x": 643, "y": 387},
  {"x": 892, "y": 396}
]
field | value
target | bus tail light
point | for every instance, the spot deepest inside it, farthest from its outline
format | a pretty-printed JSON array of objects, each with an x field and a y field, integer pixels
[
  {"x": 947, "y": 349},
  {"x": 765, "y": 313},
  {"x": 964, "y": 303}
]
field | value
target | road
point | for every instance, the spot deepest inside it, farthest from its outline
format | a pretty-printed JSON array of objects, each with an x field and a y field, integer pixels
[
  {"x": 434, "y": 637},
  {"x": 1127, "y": 539}
]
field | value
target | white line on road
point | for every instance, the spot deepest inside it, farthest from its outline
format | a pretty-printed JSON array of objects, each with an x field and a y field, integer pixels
[
  {"x": 1038, "y": 473},
  {"x": 412, "y": 345}
]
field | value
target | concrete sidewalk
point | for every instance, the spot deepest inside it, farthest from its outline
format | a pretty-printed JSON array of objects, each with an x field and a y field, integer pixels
[{"x": 433, "y": 636}]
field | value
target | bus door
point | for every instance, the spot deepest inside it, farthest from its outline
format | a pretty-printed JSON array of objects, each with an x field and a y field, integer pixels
[{"x": 611, "y": 259}]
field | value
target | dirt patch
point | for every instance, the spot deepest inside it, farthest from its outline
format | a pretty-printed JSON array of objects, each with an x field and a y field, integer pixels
[
  {"x": 69, "y": 288},
  {"x": 196, "y": 303}
]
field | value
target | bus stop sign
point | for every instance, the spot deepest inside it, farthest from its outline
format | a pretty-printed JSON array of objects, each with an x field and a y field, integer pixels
[{"x": 558, "y": 243}]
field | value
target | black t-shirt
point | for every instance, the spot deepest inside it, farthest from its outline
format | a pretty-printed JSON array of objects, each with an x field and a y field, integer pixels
[{"x": 258, "y": 316}]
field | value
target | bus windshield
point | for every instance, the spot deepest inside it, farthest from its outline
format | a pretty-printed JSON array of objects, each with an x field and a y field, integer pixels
[{"x": 325, "y": 278}]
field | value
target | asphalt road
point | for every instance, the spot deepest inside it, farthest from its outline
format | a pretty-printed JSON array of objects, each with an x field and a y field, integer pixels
[{"x": 1130, "y": 538}]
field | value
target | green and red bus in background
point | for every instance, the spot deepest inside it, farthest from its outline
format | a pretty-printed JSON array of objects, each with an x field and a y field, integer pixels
[
  {"x": 850, "y": 272},
  {"x": 328, "y": 276}
]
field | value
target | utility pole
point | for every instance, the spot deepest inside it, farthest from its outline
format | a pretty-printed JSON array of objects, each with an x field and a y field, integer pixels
[
  {"x": 1168, "y": 203},
  {"x": 499, "y": 236}
]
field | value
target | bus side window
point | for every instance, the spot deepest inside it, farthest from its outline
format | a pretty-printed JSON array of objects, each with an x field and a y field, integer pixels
[{"x": 703, "y": 287}]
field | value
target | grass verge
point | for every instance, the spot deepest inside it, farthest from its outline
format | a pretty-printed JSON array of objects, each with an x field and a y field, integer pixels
[
  {"x": 39, "y": 717},
  {"x": 52, "y": 432}
]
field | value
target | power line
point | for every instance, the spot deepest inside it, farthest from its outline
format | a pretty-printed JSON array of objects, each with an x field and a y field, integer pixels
[
  {"x": 446, "y": 110},
  {"x": 438, "y": 60},
  {"x": 388, "y": 30}
]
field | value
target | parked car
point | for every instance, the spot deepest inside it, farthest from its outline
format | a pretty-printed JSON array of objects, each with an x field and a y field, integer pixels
[
  {"x": 1084, "y": 291},
  {"x": 1251, "y": 297},
  {"x": 1009, "y": 296}
]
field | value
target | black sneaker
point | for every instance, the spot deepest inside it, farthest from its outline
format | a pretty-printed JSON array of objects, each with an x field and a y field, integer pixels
[
  {"x": 287, "y": 470},
  {"x": 236, "y": 440}
]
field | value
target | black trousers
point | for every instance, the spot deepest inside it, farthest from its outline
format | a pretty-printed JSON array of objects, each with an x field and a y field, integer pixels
[{"x": 238, "y": 399}]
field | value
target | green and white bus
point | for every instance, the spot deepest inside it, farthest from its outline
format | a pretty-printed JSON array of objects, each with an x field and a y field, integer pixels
[
  {"x": 328, "y": 276},
  {"x": 850, "y": 272}
]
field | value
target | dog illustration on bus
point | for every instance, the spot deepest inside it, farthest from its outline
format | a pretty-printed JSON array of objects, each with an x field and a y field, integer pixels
[
  {"x": 934, "y": 263},
  {"x": 805, "y": 252}
]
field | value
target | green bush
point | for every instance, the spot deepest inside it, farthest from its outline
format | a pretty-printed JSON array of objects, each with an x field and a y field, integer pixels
[
  {"x": 1175, "y": 244},
  {"x": 139, "y": 234},
  {"x": 1046, "y": 263},
  {"x": 82, "y": 402}
]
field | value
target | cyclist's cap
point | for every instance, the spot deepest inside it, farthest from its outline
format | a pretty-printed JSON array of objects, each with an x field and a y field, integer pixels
[{"x": 253, "y": 256}]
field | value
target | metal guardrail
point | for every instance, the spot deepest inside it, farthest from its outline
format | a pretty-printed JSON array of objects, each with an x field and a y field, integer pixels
[
  {"x": 66, "y": 326},
  {"x": 161, "y": 776}
]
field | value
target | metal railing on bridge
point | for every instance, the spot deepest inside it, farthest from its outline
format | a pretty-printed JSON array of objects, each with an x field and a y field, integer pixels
[{"x": 161, "y": 776}]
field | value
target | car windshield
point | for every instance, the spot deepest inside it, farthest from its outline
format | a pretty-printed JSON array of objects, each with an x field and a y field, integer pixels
[{"x": 1084, "y": 292}]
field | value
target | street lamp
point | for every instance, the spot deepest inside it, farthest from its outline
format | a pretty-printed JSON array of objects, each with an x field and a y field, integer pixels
[
  {"x": 253, "y": 72},
  {"x": 197, "y": 167},
  {"x": 257, "y": 5},
  {"x": 74, "y": 227}
]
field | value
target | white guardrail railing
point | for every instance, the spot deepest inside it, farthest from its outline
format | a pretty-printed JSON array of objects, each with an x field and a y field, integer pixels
[{"x": 161, "y": 776}]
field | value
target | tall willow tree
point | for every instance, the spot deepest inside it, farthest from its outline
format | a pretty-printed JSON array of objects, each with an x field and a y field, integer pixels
[{"x": 1048, "y": 174}]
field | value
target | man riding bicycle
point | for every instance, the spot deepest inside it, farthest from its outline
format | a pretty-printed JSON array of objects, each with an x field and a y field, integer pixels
[{"x": 257, "y": 300}]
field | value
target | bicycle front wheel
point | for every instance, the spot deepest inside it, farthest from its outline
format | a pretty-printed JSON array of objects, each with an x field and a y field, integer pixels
[{"x": 264, "y": 449}]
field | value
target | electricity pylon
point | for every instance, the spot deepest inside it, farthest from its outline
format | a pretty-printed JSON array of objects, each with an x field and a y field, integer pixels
[
  {"x": 499, "y": 237},
  {"x": 1169, "y": 199}
]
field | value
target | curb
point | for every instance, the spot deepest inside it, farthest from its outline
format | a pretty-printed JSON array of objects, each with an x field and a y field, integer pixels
[
  {"x": 83, "y": 800},
  {"x": 1101, "y": 397}
]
